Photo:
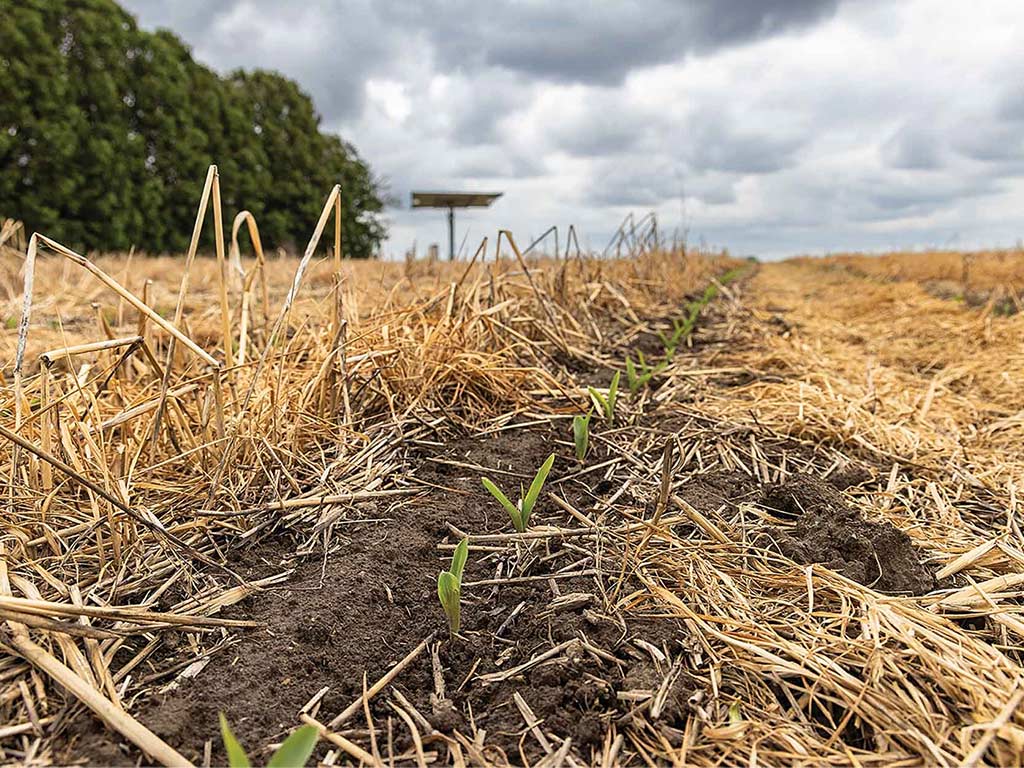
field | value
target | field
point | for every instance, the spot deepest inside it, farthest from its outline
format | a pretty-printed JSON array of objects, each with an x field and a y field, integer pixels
[{"x": 793, "y": 539}]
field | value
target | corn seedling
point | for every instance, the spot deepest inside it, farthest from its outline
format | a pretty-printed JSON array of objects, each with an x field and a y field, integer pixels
[
  {"x": 581, "y": 434},
  {"x": 520, "y": 513},
  {"x": 294, "y": 752},
  {"x": 607, "y": 403},
  {"x": 682, "y": 328},
  {"x": 449, "y": 586},
  {"x": 638, "y": 377},
  {"x": 634, "y": 380},
  {"x": 732, "y": 274}
]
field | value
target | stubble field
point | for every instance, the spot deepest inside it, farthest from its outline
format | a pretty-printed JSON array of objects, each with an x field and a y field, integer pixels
[{"x": 793, "y": 538}]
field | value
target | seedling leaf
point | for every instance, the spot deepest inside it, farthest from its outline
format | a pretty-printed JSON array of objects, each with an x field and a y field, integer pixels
[
  {"x": 581, "y": 435},
  {"x": 459, "y": 559},
  {"x": 296, "y": 748},
  {"x": 631, "y": 378},
  {"x": 735, "y": 713},
  {"x": 448, "y": 592},
  {"x": 512, "y": 509},
  {"x": 236, "y": 754},
  {"x": 613, "y": 393},
  {"x": 535, "y": 488},
  {"x": 644, "y": 367}
]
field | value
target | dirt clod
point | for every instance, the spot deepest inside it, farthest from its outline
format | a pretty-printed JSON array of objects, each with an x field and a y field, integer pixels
[{"x": 827, "y": 530}]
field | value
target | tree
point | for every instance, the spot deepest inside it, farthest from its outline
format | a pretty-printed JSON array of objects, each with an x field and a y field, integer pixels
[
  {"x": 302, "y": 164},
  {"x": 106, "y": 132}
]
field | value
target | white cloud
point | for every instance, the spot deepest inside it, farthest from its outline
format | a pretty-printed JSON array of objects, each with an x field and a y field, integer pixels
[{"x": 881, "y": 124}]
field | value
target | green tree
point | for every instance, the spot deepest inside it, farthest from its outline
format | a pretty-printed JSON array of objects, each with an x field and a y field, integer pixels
[
  {"x": 302, "y": 164},
  {"x": 106, "y": 132},
  {"x": 40, "y": 126}
]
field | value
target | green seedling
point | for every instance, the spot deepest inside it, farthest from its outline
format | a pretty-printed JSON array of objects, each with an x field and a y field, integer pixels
[
  {"x": 680, "y": 330},
  {"x": 695, "y": 308},
  {"x": 735, "y": 713},
  {"x": 449, "y": 586},
  {"x": 607, "y": 403},
  {"x": 633, "y": 379},
  {"x": 637, "y": 378},
  {"x": 520, "y": 513},
  {"x": 581, "y": 435},
  {"x": 732, "y": 274},
  {"x": 292, "y": 754}
]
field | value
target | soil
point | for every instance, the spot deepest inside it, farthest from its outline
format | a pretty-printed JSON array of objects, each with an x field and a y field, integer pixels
[
  {"x": 374, "y": 599},
  {"x": 827, "y": 530},
  {"x": 822, "y": 526}
]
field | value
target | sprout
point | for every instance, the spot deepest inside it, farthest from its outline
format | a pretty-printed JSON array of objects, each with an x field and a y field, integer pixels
[
  {"x": 682, "y": 328},
  {"x": 735, "y": 713},
  {"x": 636, "y": 380},
  {"x": 581, "y": 434},
  {"x": 294, "y": 752},
  {"x": 607, "y": 404},
  {"x": 449, "y": 586},
  {"x": 521, "y": 514}
]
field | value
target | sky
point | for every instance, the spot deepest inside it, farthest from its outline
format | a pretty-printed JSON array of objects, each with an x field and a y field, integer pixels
[{"x": 771, "y": 128}]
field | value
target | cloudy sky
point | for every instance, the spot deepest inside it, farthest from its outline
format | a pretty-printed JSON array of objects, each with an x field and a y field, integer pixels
[{"x": 771, "y": 128}]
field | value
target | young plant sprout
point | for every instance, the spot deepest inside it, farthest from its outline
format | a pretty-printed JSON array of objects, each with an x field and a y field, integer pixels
[
  {"x": 607, "y": 404},
  {"x": 449, "y": 586},
  {"x": 645, "y": 368},
  {"x": 670, "y": 342},
  {"x": 682, "y": 328},
  {"x": 635, "y": 379},
  {"x": 293, "y": 753},
  {"x": 520, "y": 513},
  {"x": 581, "y": 434}
]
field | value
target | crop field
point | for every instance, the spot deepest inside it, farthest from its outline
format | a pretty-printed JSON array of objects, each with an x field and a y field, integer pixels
[{"x": 670, "y": 508}]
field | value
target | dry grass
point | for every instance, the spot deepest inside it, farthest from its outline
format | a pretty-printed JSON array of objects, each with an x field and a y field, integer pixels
[
  {"x": 105, "y": 513},
  {"x": 971, "y": 276}
]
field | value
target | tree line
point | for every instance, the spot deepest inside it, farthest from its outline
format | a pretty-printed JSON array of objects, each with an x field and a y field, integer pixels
[{"x": 106, "y": 132}]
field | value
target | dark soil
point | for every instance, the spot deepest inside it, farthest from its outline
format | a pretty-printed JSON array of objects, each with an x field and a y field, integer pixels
[
  {"x": 374, "y": 599},
  {"x": 827, "y": 530},
  {"x": 823, "y": 527}
]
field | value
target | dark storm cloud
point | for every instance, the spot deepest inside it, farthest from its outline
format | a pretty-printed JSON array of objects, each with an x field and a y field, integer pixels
[
  {"x": 997, "y": 143},
  {"x": 330, "y": 50},
  {"x": 493, "y": 162},
  {"x": 482, "y": 103},
  {"x": 785, "y": 124},
  {"x": 644, "y": 181},
  {"x": 597, "y": 43},
  {"x": 711, "y": 139},
  {"x": 714, "y": 146},
  {"x": 599, "y": 125},
  {"x": 897, "y": 199}
]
